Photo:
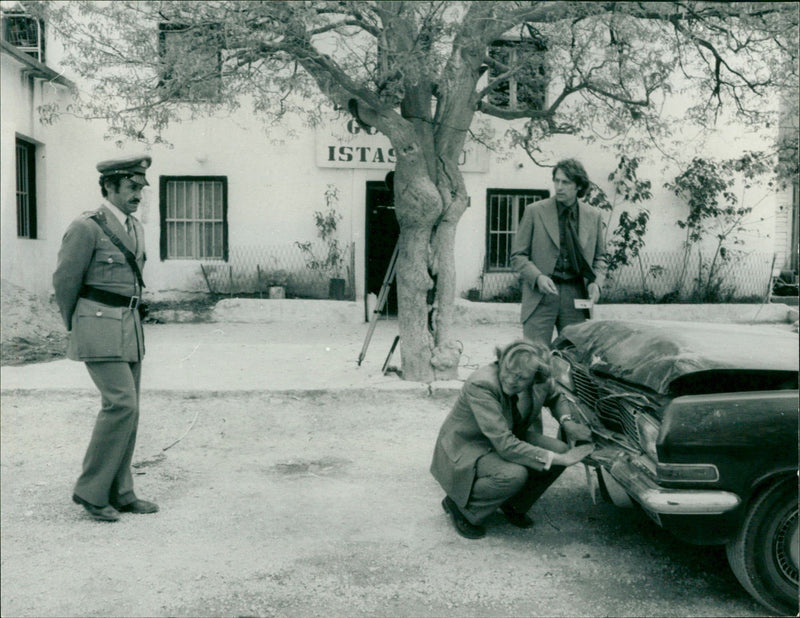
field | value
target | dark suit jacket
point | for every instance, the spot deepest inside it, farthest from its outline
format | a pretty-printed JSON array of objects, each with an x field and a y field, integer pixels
[
  {"x": 481, "y": 421},
  {"x": 87, "y": 256},
  {"x": 536, "y": 247}
]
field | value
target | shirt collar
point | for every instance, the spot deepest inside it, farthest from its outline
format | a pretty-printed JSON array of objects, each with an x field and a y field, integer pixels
[
  {"x": 121, "y": 216},
  {"x": 563, "y": 209}
]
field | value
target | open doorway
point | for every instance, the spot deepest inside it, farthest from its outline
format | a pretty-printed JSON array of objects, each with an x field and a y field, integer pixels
[{"x": 381, "y": 237}]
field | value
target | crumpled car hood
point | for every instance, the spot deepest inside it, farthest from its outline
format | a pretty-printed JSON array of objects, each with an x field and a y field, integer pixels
[{"x": 654, "y": 353}]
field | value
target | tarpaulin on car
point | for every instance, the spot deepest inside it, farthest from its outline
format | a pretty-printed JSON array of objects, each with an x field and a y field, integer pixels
[{"x": 654, "y": 353}]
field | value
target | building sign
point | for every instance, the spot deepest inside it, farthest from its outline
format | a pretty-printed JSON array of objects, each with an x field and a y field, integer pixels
[{"x": 342, "y": 143}]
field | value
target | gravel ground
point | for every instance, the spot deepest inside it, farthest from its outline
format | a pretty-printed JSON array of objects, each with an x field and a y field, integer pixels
[
  {"x": 288, "y": 490},
  {"x": 305, "y": 503}
]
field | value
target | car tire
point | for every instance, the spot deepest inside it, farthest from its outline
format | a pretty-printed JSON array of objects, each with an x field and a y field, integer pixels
[{"x": 764, "y": 554}]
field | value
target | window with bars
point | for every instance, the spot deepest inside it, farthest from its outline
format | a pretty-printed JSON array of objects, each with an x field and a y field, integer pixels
[
  {"x": 504, "y": 209},
  {"x": 194, "y": 217},
  {"x": 26, "y": 189},
  {"x": 526, "y": 85},
  {"x": 795, "y": 226},
  {"x": 24, "y": 32}
]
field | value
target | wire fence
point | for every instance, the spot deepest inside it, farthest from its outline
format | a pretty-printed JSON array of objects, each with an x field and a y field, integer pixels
[
  {"x": 660, "y": 276},
  {"x": 253, "y": 270},
  {"x": 656, "y": 277}
]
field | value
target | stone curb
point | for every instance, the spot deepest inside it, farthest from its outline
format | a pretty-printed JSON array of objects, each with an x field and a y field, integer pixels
[{"x": 259, "y": 311}]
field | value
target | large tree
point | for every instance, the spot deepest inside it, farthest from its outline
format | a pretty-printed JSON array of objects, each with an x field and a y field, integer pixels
[{"x": 419, "y": 72}]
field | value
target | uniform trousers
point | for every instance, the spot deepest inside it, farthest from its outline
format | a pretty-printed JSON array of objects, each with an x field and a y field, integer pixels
[
  {"x": 106, "y": 477},
  {"x": 499, "y": 482},
  {"x": 555, "y": 310}
]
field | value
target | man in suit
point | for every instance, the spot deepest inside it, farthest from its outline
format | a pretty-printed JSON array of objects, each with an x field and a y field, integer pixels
[
  {"x": 491, "y": 451},
  {"x": 98, "y": 289},
  {"x": 559, "y": 254}
]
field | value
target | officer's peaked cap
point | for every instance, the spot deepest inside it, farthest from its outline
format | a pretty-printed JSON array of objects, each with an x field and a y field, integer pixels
[{"x": 129, "y": 167}]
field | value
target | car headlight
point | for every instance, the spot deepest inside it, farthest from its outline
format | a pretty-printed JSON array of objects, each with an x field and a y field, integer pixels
[
  {"x": 699, "y": 473},
  {"x": 561, "y": 370},
  {"x": 648, "y": 430}
]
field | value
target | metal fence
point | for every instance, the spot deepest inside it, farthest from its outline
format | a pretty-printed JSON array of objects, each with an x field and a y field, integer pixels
[
  {"x": 660, "y": 274},
  {"x": 252, "y": 270},
  {"x": 742, "y": 276}
]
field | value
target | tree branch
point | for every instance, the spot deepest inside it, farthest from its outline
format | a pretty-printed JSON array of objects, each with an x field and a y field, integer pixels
[
  {"x": 719, "y": 62},
  {"x": 344, "y": 23},
  {"x": 512, "y": 114}
]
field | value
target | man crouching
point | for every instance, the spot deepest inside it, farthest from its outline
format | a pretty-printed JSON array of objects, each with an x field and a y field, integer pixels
[{"x": 491, "y": 451}]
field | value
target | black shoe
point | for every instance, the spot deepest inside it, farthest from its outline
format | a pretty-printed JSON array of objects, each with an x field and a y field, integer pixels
[
  {"x": 520, "y": 520},
  {"x": 140, "y": 507},
  {"x": 100, "y": 513},
  {"x": 463, "y": 526}
]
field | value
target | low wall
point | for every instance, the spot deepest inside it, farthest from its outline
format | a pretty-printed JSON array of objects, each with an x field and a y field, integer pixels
[
  {"x": 489, "y": 313},
  {"x": 257, "y": 310},
  {"x": 254, "y": 310}
]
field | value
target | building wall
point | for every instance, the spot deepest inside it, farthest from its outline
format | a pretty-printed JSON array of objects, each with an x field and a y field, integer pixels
[
  {"x": 276, "y": 180},
  {"x": 275, "y": 183},
  {"x": 29, "y": 262}
]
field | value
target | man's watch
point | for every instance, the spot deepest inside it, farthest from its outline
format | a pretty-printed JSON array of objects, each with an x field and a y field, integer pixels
[{"x": 564, "y": 419}]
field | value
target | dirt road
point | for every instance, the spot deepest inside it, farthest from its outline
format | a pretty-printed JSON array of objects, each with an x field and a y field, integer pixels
[{"x": 311, "y": 503}]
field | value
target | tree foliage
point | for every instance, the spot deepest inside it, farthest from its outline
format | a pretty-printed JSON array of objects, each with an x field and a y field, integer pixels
[
  {"x": 332, "y": 260},
  {"x": 419, "y": 72},
  {"x": 714, "y": 210}
]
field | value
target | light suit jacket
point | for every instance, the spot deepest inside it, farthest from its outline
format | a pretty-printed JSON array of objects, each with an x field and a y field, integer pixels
[
  {"x": 87, "y": 256},
  {"x": 481, "y": 421},
  {"x": 536, "y": 247}
]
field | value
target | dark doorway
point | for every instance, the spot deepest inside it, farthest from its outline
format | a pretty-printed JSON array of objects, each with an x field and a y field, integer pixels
[{"x": 381, "y": 237}]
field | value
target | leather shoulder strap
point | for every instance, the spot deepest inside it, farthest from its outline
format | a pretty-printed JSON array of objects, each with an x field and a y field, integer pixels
[{"x": 99, "y": 219}]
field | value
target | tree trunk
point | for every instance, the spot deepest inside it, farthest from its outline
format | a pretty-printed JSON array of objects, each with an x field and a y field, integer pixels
[
  {"x": 413, "y": 283},
  {"x": 447, "y": 350},
  {"x": 429, "y": 197},
  {"x": 428, "y": 215},
  {"x": 417, "y": 206}
]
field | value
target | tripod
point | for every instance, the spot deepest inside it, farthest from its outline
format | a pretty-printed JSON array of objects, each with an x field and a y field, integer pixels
[{"x": 382, "y": 296}]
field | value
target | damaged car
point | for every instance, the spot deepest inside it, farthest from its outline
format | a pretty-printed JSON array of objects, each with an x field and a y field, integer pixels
[{"x": 698, "y": 425}]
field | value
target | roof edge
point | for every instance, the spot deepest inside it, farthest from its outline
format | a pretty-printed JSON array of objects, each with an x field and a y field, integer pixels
[{"x": 34, "y": 67}]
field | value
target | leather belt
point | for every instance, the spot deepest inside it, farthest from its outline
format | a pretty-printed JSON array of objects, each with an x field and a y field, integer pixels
[
  {"x": 109, "y": 298},
  {"x": 558, "y": 279}
]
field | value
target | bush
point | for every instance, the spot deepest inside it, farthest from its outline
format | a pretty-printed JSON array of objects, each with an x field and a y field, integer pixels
[
  {"x": 474, "y": 295},
  {"x": 512, "y": 294}
]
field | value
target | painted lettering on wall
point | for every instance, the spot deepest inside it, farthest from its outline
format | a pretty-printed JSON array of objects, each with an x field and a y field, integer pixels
[
  {"x": 343, "y": 143},
  {"x": 354, "y": 128},
  {"x": 361, "y": 154}
]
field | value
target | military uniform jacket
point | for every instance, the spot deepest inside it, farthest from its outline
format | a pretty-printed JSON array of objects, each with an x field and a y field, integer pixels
[
  {"x": 99, "y": 332},
  {"x": 481, "y": 421},
  {"x": 536, "y": 247}
]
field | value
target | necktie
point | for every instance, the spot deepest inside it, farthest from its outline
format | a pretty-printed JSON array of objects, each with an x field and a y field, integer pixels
[
  {"x": 131, "y": 232},
  {"x": 576, "y": 257}
]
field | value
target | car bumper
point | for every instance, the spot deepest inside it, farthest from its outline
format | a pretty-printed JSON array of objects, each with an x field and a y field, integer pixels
[{"x": 632, "y": 473}]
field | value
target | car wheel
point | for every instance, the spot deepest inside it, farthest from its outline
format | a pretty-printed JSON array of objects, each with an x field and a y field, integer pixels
[{"x": 764, "y": 554}]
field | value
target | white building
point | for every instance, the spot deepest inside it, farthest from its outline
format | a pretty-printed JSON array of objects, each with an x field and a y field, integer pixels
[{"x": 251, "y": 193}]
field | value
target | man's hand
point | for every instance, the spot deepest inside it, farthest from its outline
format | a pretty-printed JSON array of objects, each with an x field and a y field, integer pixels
[
  {"x": 594, "y": 292},
  {"x": 573, "y": 455},
  {"x": 576, "y": 432},
  {"x": 547, "y": 285}
]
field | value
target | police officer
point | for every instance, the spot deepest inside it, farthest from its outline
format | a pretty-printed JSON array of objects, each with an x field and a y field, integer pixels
[{"x": 98, "y": 287}]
